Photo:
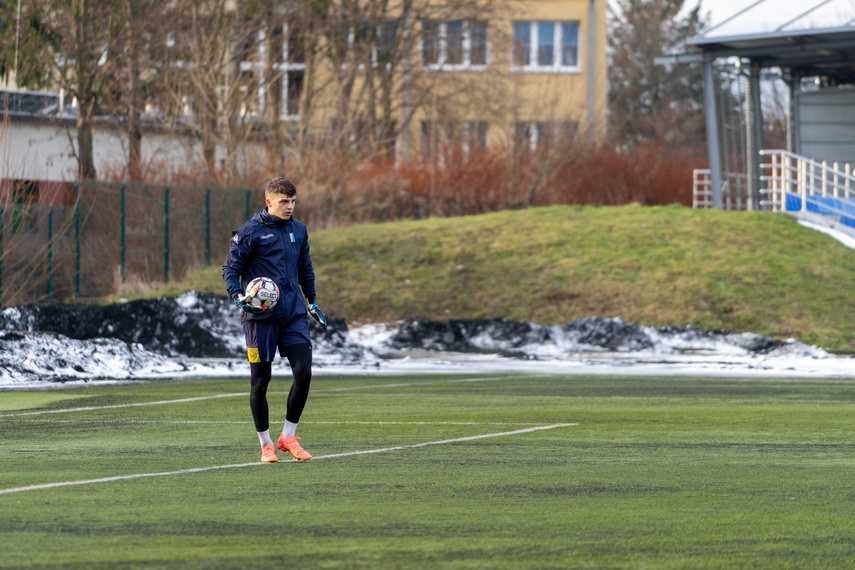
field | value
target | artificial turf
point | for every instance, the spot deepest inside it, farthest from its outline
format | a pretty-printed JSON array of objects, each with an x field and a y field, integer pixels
[{"x": 656, "y": 473}]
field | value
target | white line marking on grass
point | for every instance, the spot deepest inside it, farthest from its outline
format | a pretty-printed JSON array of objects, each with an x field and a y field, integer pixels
[
  {"x": 115, "y": 406},
  {"x": 201, "y": 398},
  {"x": 382, "y": 423},
  {"x": 332, "y": 456},
  {"x": 470, "y": 438},
  {"x": 408, "y": 384},
  {"x": 140, "y": 421}
]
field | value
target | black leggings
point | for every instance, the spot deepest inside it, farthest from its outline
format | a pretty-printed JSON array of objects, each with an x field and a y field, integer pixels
[{"x": 300, "y": 358}]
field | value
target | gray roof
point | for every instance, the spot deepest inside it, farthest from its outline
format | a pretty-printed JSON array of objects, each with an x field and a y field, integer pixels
[
  {"x": 828, "y": 52},
  {"x": 41, "y": 104}
]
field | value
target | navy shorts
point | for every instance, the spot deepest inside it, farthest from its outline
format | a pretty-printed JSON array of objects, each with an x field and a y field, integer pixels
[{"x": 264, "y": 337}]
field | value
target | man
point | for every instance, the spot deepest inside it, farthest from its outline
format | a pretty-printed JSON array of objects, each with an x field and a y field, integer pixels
[{"x": 273, "y": 244}]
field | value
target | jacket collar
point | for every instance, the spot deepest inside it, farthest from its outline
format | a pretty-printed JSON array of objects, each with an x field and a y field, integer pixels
[{"x": 269, "y": 219}]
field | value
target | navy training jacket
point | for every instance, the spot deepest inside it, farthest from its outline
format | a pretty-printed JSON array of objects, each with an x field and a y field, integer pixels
[{"x": 267, "y": 246}]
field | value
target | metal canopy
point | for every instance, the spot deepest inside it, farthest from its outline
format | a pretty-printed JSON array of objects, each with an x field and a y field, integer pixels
[{"x": 827, "y": 52}]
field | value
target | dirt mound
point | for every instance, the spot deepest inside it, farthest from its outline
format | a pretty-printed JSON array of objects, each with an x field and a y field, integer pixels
[
  {"x": 198, "y": 325},
  {"x": 492, "y": 335}
]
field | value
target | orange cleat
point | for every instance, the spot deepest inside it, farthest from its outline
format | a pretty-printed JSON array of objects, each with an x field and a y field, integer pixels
[
  {"x": 268, "y": 454},
  {"x": 290, "y": 445}
]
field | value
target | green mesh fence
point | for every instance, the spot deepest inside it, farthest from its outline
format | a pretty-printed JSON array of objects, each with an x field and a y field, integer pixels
[{"x": 114, "y": 233}]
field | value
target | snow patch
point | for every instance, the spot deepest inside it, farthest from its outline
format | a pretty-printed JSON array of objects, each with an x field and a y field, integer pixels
[{"x": 197, "y": 334}]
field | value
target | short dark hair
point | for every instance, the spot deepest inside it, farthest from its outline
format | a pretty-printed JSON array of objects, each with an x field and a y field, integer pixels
[{"x": 280, "y": 186}]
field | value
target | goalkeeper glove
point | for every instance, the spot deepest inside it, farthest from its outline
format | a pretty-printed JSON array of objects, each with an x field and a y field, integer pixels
[
  {"x": 316, "y": 312},
  {"x": 245, "y": 303}
]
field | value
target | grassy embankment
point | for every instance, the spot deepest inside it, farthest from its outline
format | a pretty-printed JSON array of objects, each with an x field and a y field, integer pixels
[{"x": 656, "y": 266}]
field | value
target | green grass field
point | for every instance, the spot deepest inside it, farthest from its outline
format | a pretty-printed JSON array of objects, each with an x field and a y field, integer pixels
[
  {"x": 655, "y": 266},
  {"x": 655, "y": 473}
]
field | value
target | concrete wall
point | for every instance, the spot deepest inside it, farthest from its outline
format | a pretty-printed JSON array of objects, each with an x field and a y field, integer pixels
[{"x": 45, "y": 150}]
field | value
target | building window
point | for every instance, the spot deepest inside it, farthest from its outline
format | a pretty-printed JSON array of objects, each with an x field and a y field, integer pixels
[
  {"x": 455, "y": 45},
  {"x": 364, "y": 40},
  {"x": 430, "y": 43},
  {"x": 530, "y": 137},
  {"x": 478, "y": 42},
  {"x": 294, "y": 86},
  {"x": 569, "y": 44},
  {"x": 478, "y": 134},
  {"x": 545, "y": 43},
  {"x": 444, "y": 137},
  {"x": 522, "y": 43},
  {"x": 545, "y": 46},
  {"x": 294, "y": 50},
  {"x": 288, "y": 72},
  {"x": 386, "y": 35},
  {"x": 292, "y": 68}
]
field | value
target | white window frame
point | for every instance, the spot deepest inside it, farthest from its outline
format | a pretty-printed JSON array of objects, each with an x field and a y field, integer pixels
[
  {"x": 555, "y": 67},
  {"x": 257, "y": 66},
  {"x": 467, "y": 64},
  {"x": 351, "y": 39},
  {"x": 285, "y": 67},
  {"x": 468, "y": 138},
  {"x": 541, "y": 131}
]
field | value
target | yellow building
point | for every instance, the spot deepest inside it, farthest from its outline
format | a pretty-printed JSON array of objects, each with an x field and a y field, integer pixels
[
  {"x": 533, "y": 71},
  {"x": 417, "y": 74},
  {"x": 400, "y": 77}
]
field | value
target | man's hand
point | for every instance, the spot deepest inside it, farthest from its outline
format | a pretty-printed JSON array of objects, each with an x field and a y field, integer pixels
[
  {"x": 243, "y": 301},
  {"x": 316, "y": 313}
]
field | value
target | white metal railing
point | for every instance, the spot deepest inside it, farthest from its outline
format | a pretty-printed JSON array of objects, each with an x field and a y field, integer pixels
[
  {"x": 793, "y": 183},
  {"x": 789, "y": 183},
  {"x": 733, "y": 190},
  {"x": 701, "y": 188}
]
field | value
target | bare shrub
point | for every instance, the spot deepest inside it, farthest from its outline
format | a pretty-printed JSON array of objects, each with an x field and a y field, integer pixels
[
  {"x": 644, "y": 174},
  {"x": 34, "y": 223}
]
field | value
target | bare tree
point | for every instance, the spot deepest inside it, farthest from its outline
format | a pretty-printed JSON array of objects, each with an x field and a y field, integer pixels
[
  {"x": 143, "y": 17},
  {"x": 77, "y": 42},
  {"x": 376, "y": 82},
  {"x": 650, "y": 102}
]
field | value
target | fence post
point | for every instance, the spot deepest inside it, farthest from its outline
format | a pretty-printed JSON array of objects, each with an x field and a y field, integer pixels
[
  {"x": 849, "y": 172},
  {"x": 788, "y": 175},
  {"x": 207, "y": 226},
  {"x": 123, "y": 242},
  {"x": 811, "y": 179},
  {"x": 166, "y": 235},
  {"x": 836, "y": 165},
  {"x": 50, "y": 253},
  {"x": 77, "y": 241},
  {"x": 779, "y": 183},
  {"x": 771, "y": 168}
]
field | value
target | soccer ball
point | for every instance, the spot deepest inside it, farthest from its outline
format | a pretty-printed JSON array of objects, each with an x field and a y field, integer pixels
[{"x": 264, "y": 292}]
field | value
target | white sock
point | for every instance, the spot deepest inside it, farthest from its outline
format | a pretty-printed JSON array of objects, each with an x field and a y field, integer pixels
[
  {"x": 264, "y": 438},
  {"x": 289, "y": 429}
]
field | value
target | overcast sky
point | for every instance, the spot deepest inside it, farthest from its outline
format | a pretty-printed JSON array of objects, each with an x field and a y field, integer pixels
[{"x": 768, "y": 15}]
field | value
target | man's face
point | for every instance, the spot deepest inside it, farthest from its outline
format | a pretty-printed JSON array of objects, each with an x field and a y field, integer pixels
[{"x": 280, "y": 205}]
